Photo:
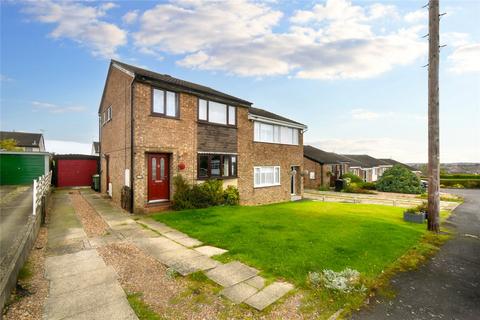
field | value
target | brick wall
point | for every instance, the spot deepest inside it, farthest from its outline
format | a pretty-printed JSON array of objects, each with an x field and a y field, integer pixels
[
  {"x": 265, "y": 154},
  {"x": 312, "y": 166},
  {"x": 155, "y": 134},
  {"x": 115, "y": 135}
]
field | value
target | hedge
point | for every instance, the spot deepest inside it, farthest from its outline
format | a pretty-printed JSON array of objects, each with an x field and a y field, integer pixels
[{"x": 466, "y": 183}]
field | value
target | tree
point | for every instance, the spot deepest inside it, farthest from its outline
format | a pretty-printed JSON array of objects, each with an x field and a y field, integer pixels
[
  {"x": 433, "y": 118},
  {"x": 9, "y": 145},
  {"x": 399, "y": 179}
]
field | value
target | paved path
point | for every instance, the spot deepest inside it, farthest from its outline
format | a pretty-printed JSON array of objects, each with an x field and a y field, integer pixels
[
  {"x": 448, "y": 287},
  {"x": 81, "y": 285},
  {"x": 15, "y": 210},
  {"x": 187, "y": 255}
]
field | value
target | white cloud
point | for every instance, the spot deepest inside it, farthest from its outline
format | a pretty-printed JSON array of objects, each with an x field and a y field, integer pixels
[
  {"x": 80, "y": 23},
  {"x": 53, "y": 108},
  {"x": 420, "y": 15},
  {"x": 363, "y": 114},
  {"x": 455, "y": 39},
  {"x": 330, "y": 41},
  {"x": 130, "y": 17},
  {"x": 465, "y": 59},
  {"x": 67, "y": 147},
  {"x": 4, "y": 78}
]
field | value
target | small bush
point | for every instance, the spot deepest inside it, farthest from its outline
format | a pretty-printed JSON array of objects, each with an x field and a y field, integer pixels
[
  {"x": 231, "y": 197},
  {"x": 356, "y": 188},
  {"x": 210, "y": 193},
  {"x": 399, "y": 179},
  {"x": 461, "y": 183},
  {"x": 421, "y": 208},
  {"x": 352, "y": 177},
  {"x": 368, "y": 185},
  {"x": 323, "y": 188}
]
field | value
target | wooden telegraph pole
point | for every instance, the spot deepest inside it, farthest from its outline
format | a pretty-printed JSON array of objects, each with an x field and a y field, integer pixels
[{"x": 433, "y": 118}]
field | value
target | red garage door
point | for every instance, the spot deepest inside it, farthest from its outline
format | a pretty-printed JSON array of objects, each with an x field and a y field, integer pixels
[{"x": 75, "y": 172}]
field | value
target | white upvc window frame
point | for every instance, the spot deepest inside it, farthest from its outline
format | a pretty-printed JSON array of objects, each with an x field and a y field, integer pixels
[
  {"x": 257, "y": 176},
  {"x": 280, "y": 134},
  {"x": 107, "y": 115}
]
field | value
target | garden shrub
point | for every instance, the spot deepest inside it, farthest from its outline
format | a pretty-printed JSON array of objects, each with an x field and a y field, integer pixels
[
  {"x": 352, "y": 177},
  {"x": 323, "y": 188},
  {"x": 461, "y": 183},
  {"x": 399, "y": 179},
  {"x": 210, "y": 193},
  {"x": 354, "y": 187},
  {"x": 231, "y": 196},
  {"x": 368, "y": 185}
]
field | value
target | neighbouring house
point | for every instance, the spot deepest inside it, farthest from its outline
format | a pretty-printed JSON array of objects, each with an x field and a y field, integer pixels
[
  {"x": 154, "y": 126},
  {"x": 393, "y": 162},
  {"x": 322, "y": 167},
  {"x": 30, "y": 142},
  {"x": 95, "y": 148},
  {"x": 366, "y": 167}
]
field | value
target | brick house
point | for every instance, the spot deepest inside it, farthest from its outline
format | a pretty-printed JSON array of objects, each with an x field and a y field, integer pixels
[
  {"x": 366, "y": 167},
  {"x": 178, "y": 127},
  {"x": 25, "y": 141},
  {"x": 322, "y": 167}
]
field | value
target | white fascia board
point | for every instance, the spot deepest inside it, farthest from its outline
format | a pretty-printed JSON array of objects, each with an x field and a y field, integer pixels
[
  {"x": 131, "y": 74},
  {"x": 215, "y": 152},
  {"x": 274, "y": 121}
]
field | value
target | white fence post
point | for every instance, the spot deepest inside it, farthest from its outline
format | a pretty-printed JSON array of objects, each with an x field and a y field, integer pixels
[{"x": 34, "y": 197}]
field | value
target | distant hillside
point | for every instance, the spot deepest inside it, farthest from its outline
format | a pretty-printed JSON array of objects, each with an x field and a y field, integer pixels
[{"x": 458, "y": 167}]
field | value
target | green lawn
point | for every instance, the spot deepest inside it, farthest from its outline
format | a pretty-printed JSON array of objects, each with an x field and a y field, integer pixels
[{"x": 288, "y": 240}]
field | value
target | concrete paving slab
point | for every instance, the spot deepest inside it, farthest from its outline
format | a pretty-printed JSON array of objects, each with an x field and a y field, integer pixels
[
  {"x": 175, "y": 235},
  {"x": 59, "y": 248},
  {"x": 256, "y": 282},
  {"x": 155, "y": 246},
  {"x": 172, "y": 257},
  {"x": 239, "y": 292},
  {"x": 189, "y": 242},
  {"x": 231, "y": 273},
  {"x": 194, "y": 264},
  {"x": 269, "y": 295},
  {"x": 210, "y": 251},
  {"x": 67, "y": 259},
  {"x": 59, "y": 271},
  {"x": 72, "y": 303},
  {"x": 59, "y": 286},
  {"x": 155, "y": 225},
  {"x": 118, "y": 310}
]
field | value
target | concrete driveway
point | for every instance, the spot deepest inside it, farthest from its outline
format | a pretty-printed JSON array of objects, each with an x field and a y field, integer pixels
[
  {"x": 447, "y": 287},
  {"x": 15, "y": 209}
]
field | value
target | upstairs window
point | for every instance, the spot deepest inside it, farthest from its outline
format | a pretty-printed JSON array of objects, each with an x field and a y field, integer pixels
[
  {"x": 107, "y": 115},
  {"x": 272, "y": 133},
  {"x": 165, "y": 103},
  {"x": 216, "y": 112},
  {"x": 217, "y": 166}
]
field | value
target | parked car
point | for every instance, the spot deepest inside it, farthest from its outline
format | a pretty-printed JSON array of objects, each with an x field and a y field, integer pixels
[{"x": 424, "y": 183}]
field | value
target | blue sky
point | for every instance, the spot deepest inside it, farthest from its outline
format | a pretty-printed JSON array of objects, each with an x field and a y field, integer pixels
[{"x": 349, "y": 70}]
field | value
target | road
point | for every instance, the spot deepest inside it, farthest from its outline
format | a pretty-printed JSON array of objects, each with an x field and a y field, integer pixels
[
  {"x": 15, "y": 209},
  {"x": 448, "y": 286}
]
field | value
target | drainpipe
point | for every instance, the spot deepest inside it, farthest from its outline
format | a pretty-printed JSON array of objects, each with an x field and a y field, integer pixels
[
  {"x": 321, "y": 174},
  {"x": 131, "y": 146}
]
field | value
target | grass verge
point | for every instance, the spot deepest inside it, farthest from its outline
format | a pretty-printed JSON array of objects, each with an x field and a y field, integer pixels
[{"x": 141, "y": 309}]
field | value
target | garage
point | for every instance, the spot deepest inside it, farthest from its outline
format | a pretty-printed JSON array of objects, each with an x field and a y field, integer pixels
[
  {"x": 75, "y": 170},
  {"x": 21, "y": 168}
]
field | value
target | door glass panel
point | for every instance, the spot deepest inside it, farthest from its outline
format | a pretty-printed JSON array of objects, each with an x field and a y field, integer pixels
[
  {"x": 162, "y": 168},
  {"x": 154, "y": 168}
]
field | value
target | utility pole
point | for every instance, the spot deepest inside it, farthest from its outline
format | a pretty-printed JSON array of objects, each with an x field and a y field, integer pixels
[{"x": 433, "y": 118}]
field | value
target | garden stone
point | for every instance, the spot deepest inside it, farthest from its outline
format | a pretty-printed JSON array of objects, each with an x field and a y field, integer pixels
[
  {"x": 269, "y": 295},
  {"x": 231, "y": 273},
  {"x": 239, "y": 292},
  {"x": 189, "y": 242},
  {"x": 210, "y": 251},
  {"x": 256, "y": 282}
]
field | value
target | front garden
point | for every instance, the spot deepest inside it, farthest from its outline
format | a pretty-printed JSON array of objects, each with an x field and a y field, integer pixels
[{"x": 298, "y": 241}]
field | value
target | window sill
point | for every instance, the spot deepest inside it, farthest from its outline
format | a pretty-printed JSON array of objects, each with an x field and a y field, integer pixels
[
  {"x": 278, "y": 143},
  {"x": 217, "y": 124},
  {"x": 216, "y": 178},
  {"x": 267, "y": 186},
  {"x": 160, "y": 115}
]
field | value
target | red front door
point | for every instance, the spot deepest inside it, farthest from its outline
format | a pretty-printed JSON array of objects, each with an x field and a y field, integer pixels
[{"x": 158, "y": 177}]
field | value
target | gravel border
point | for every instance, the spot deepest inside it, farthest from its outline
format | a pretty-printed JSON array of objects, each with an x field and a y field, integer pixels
[
  {"x": 30, "y": 306},
  {"x": 93, "y": 224}
]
